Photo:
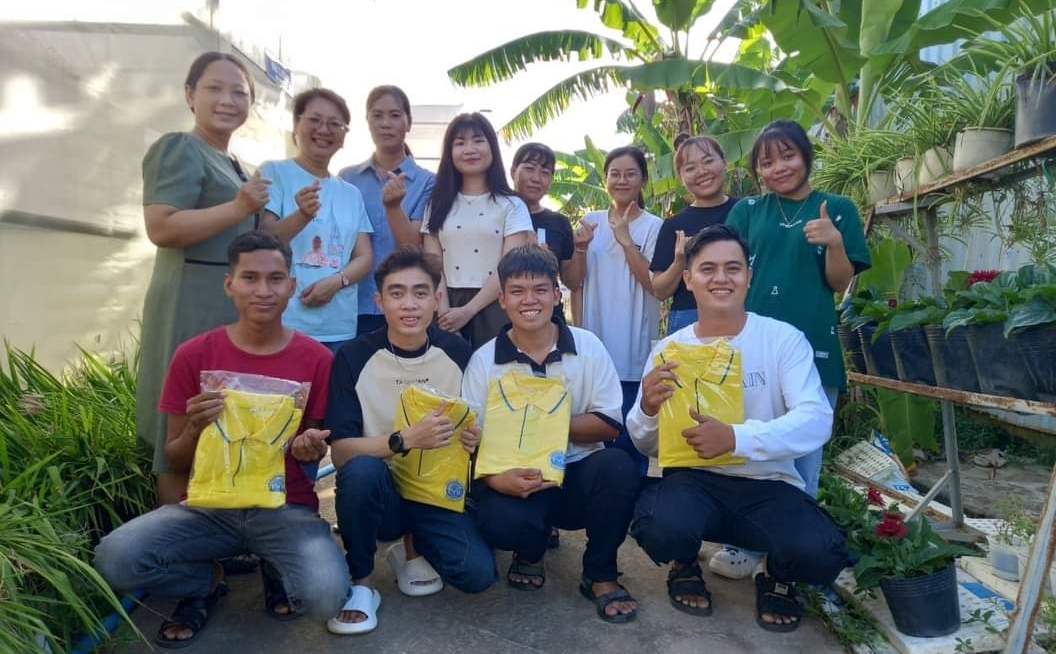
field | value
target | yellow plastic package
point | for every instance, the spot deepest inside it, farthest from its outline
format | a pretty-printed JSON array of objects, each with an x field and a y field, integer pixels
[
  {"x": 709, "y": 381},
  {"x": 437, "y": 477},
  {"x": 526, "y": 425},
  {"x": 240, "y": 459}
]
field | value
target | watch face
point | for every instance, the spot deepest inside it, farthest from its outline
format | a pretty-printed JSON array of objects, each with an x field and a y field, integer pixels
[{"x": 396, "y": 442}]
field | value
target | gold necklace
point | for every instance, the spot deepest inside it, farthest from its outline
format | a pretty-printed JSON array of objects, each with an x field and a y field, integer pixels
[{"x": 785, "y": 221}]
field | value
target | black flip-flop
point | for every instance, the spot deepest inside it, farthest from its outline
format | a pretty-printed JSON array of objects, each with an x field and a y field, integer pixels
[
  {"x": 688, "y": 580},
  {"x": 192, "y": 613},
  {"x": 778, "y": 599}
]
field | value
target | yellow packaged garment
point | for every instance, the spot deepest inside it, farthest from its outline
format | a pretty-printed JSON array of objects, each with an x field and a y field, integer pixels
[
  {"x": 240, "y": 459},
  {"x": 437, "y": 477},
  {"x": 709, "y": 381},
  {"x": 526, "y": 425}
]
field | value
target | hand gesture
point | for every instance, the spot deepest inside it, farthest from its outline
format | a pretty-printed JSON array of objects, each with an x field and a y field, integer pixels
[
  {"x": 519, "y": 482},
  {"x": 308, "y": 199},
  {"x": 455, "y": 318},
  {"x": 821, "y": 230},
  {"x": 583, "y": 235},
  {"x": 471, "y": 437},
  {"x": 320, "y": 292},
  {"x": 710, "y": 437},
  {"x": 394, "y": 191},
  {"x": 432, "y": 431},
  {"x": 309, "y": 446},
  {"x": 253, "y": 194},
  {"x": 621, "y": 226},
  {"x": 657, "y": 386},
  {"x": 680, "y": 246},
  {"x": 204, "y": 408}
]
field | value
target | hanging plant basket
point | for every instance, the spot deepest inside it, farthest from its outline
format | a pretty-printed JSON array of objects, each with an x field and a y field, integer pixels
[
  {"x": 925, "y": 606},
  {"x": 1035, "y": 107}
]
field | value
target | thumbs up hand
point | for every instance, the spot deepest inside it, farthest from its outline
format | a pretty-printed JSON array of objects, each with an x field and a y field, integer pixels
[
  {"x": 253, "y": 194},
  {"x": 821, "y": 230}
]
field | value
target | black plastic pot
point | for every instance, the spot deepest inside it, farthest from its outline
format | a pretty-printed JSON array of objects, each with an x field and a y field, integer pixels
[
  {"x": 924, "y": 606},
  {"x": 879, "y": 357},
  {"x": 1002, "y": 370},
  {"x": 852, "y": 345},
  {"x": 1038, "y": 346},
  {"x": 952, "y": 359},
  {"x": 1035, "y": 108},
  {"x": 913, "y": 356}
]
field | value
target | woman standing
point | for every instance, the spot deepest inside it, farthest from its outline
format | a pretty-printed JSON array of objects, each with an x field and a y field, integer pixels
[
  {"x": 806, "y": 245},
  {"x": 395, "y": 189},
  {"x": 323, "y": 219},
  {"x": 196, "y": 199},
  {"x": 701, "y": 165},
  {"x": 616, "y": 245},
  {"x": 473, "y": 218}
]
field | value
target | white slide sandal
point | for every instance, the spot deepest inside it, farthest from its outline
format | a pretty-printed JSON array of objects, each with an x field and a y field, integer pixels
[
  {"x": 363, "y": 599},
  {"x": 411, "y": 574}
]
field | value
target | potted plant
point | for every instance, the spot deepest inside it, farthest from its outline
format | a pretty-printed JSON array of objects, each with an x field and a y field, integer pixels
[
  {"x": 982, "y": 309},
  {"x": 984, "y": 104},
  {"x": 951, "y": 358},
  {"x": 912, "y": 351},
  {"x": 1031, "y": 324},
  {"x": 1012, "y": 540},
  {"x": 914, "y": 568},
  {"x": 863, "y": 314},
  {"x": 1028, "y": 46},
  {"x": 931, "y": 128}
]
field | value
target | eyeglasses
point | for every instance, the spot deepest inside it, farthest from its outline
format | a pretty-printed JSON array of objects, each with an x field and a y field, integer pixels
[
  {"x": 315, "y": 122},
  {"x": 628, "y": 175}
]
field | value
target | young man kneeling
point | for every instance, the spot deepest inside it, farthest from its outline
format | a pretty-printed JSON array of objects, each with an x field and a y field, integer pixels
[
  {"x": 368, "y": 376},
  {"x": 758, "y": 504},
  {"x": 172, "y": 551},
  {"x": 516, "y": 508}
]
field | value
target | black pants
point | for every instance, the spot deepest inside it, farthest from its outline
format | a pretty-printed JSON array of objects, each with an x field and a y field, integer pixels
[
  {"x": 598, "y": 494},
  {"x": 688, "y": 506}
]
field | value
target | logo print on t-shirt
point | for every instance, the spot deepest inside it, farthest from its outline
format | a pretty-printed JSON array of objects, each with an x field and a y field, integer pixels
[
  {"x": 774, "y": 291},
  {"x": 751, "y": 261}
]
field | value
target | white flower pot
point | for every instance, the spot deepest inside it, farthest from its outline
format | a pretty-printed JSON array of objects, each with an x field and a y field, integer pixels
[
  {"x": 936, "y": 164},
  {"x": 1003, "y": 558},
  {"x": 881, "y": 185},
  {"x": 905, "y": 175},
  {"x": 975, "y": 145}
]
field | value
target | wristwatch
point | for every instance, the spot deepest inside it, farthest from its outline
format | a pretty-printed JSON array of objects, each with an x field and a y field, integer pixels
[
  {"x": 344, "y": 280},
  {"x": 396, "y": 443}
]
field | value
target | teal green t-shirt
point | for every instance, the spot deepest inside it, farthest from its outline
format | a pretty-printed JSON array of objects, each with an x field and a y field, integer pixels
[{"x": 788, "y": 273}]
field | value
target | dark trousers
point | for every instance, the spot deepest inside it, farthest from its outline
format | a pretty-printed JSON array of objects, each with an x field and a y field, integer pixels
[
  {"x": 598, "y": 494},
  {"x": 688, "y": 506},
  {"x": 370, "y": 509},
  {"x": 623, "y": 439}
]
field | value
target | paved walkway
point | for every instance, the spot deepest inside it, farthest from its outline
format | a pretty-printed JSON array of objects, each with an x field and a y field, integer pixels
[{"x": 555, "y": 620}]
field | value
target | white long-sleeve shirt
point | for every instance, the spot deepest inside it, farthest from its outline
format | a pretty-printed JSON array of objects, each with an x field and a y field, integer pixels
[{"x": 786, "y": 412}]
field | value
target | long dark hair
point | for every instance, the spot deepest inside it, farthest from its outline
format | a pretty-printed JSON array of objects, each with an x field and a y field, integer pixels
[
  {"x": 639, "y": 158},
  {"x": 396, "y": 92},
  {"x": 449, "y": 180},
  {"x": 198, "y": 66},
  {"x": 786, "y": 134}
]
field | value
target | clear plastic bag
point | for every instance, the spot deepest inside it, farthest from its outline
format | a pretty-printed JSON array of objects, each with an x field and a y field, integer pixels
[
  {"x": 240, "y": 460},
  {"x": 437, "y": 477},
  {"x": 526, "y": 425},
  {"x": 709, "y": 381}
]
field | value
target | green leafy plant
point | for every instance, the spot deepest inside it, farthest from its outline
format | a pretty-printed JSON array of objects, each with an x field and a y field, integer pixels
[
  {"x": 1026, "y": 44},
  {"x": 891, "y": 548},
  {"x": 972, "y": 98},
  {"x": 1017, "y": 524},
  {"x": 1018, "y": 299}
]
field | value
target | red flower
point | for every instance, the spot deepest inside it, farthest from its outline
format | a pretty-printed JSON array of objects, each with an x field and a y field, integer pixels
[
  {"x": 892, "y": 527},
  {"x": 981, "y": 276},
  {"x": 892, "y": 303},
  {"x": 875, "y": 497}
]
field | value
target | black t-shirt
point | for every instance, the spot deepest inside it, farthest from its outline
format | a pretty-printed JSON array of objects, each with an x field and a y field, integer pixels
[
  {"x": 690, "y": 220},
  {"x": 557, "y": 235}
]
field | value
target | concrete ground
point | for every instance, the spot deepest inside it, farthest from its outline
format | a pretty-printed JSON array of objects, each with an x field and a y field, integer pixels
[{"x": 502, "y": 620}]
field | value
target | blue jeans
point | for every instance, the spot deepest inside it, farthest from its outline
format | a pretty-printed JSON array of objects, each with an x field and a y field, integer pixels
[
  {"x": 809, "y": 465},
  {"x": 623, "y": 439},
  {"x": 370, "y": 509},
  {"x": 598, "y": 495},
  {"x": 688, "y": 506},
  {"x": 679, "y": 318},
  {"x": 170, "y": 551}
]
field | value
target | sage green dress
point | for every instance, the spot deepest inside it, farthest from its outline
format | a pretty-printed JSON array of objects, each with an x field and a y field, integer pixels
[{"x": 186, "y": 293}]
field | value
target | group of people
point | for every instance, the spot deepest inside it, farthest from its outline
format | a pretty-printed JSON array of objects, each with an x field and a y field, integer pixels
[{"x": 385, "y": 276}]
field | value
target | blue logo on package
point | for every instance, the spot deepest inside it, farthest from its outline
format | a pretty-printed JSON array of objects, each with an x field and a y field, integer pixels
[
  {"x": 454, "y": 490},
  {"x": 277, "y": 484},
  {"x": 557, "y": 459}
]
